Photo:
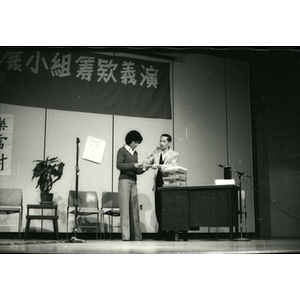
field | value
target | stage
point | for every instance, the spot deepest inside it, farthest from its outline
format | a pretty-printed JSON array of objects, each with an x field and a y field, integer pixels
[{"x": 148, "y": 246}]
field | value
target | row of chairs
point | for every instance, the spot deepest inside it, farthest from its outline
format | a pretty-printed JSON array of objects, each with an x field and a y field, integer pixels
[
  {"x": 11, "y": 202},
  {"x": 88, "y": 204}
]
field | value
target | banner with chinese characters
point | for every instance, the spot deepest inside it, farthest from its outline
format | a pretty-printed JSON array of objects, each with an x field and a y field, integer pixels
[
  {"x": 84, "y": 81},
  {"x": 6, "y": 136}
]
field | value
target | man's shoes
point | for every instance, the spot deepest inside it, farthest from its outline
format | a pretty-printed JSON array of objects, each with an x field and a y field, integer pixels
[
  {"x": 159, "y": 237},
  {"x": 170, "y": 237}
]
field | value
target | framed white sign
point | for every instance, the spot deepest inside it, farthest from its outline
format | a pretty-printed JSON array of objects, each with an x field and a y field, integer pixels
[{"x": 94, "y": 149}]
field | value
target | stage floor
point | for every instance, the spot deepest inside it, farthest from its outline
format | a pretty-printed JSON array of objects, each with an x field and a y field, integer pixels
[{"x": 255, "y": 246}]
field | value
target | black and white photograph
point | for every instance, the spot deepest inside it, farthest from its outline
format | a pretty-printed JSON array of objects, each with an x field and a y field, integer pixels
[{"x": 170, "y": 159}]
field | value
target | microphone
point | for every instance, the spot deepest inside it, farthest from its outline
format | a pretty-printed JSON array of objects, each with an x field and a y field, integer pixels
[
  {"x": 77, "y": 140},
  {"x": 221, "y": 166}
]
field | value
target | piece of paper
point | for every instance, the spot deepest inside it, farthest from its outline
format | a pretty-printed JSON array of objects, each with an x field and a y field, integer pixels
[
  {"x": 94, "y": 149},
  {"x": 224, "y": 181}
]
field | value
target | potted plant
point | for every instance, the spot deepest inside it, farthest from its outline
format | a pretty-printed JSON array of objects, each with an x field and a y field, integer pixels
[{"x": 48, "y": 172}]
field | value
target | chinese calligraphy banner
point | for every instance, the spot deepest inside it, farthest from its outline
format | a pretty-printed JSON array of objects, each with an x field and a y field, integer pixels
[
  {"x": 87, "y": 82},
  {"x": 6, "y": 135}
]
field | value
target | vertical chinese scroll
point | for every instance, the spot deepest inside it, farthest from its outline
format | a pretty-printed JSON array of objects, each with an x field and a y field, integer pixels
[{"x": 6, "y": 136}]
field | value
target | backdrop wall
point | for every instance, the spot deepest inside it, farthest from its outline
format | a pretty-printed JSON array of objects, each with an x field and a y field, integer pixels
[{"x": 210, "y": 126}]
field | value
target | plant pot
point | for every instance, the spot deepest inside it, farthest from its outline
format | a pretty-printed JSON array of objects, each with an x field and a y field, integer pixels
[{"x": 46, "y": 198}]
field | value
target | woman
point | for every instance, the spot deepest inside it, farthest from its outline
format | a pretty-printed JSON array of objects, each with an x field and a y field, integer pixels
[{"x": 127, "y": 163}]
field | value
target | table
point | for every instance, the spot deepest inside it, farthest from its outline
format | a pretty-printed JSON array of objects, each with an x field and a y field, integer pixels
[
  {"x": 187, "y": 207},
  {"x": 41, "y": 216}
]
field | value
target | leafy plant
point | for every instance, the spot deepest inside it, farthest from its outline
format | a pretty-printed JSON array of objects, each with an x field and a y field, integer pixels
[{"x": 48, "y": 172}]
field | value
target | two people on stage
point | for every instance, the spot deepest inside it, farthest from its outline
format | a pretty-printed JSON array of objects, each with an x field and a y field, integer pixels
[{"x": 127, "y": 163}]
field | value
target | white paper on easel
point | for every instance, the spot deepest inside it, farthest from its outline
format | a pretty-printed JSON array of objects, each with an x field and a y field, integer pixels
[{"x": 94, "y": 149}]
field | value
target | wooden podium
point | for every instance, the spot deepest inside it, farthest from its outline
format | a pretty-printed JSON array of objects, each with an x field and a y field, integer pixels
[{"x": 187, "y": 207}]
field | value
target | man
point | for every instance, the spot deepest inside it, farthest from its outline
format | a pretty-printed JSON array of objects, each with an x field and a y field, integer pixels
[{"x": 159, "y": 160}]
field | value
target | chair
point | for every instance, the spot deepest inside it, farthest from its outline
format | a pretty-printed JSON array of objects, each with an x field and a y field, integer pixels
[
  {"x": 87, "y": 205},
  {"x": 11, "y": 202},
  {"x": 110, "y": 207}
]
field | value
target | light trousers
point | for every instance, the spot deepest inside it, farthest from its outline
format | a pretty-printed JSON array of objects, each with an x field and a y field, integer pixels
[{"x": 129, "y": 210}]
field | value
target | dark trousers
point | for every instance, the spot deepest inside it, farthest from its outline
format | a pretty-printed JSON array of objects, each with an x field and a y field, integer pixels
[
  {"x": 158, "y": 183},
  {"x": 170, "y": 235},
  {"x": 158, "y": 209}
]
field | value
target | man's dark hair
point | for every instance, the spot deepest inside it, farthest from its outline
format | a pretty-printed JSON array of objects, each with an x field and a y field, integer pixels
[
  {"x": 169, "y": 138},
  {"x": 133, "y": 136}
]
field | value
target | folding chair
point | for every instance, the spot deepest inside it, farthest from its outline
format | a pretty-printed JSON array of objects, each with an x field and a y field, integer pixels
[
  {"x": 87, "y": 205},
  {"x": 110, "y": 207},
  {"x": 11, "y": 202}
]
